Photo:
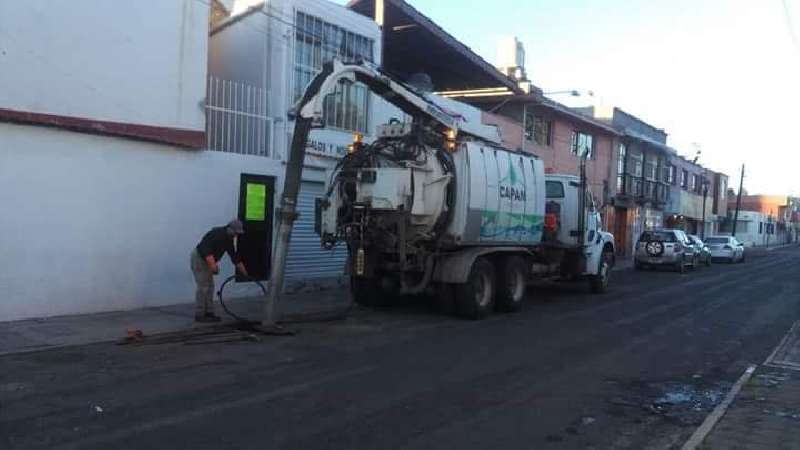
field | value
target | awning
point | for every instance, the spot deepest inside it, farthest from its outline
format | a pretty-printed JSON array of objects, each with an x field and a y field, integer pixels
[{"x": 413, "y": 43}]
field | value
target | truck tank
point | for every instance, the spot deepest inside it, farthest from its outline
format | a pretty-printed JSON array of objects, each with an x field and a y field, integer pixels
[{"x": 413, "y": 191}]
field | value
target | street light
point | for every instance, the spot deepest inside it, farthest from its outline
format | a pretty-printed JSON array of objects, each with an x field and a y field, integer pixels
[
  {"x": 571, "y": 92},
  {"x": 705, "y": 194}
]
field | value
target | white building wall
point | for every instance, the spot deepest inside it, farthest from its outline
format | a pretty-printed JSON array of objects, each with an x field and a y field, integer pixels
[
  {"x": 259, "y": 50},
  {"x": 141, "y": 62},
  {"x": 96, "y": 223},
  {"x": 751, "y": 230}
]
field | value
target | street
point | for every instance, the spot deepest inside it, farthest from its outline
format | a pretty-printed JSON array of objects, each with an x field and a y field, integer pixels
[{"x": 639, "y": 367}]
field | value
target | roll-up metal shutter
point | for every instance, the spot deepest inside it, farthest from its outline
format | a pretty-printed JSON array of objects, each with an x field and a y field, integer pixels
[{"x": 306, "y": 258}]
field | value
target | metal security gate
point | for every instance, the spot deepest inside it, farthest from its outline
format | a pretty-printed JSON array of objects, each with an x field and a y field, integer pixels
[{"x": 306, "y": 259}]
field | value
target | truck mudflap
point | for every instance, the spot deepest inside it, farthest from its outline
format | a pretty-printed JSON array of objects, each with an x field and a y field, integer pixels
[{"x": 455, "y": 267}]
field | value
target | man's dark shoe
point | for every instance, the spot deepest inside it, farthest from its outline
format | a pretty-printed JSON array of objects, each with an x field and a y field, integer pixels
[{"x": 207, "y": 318}]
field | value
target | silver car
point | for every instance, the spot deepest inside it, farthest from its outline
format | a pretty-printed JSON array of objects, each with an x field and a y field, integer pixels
[
  {"x": 726, "y": 248},
  {"x": 665, "y": 248}
]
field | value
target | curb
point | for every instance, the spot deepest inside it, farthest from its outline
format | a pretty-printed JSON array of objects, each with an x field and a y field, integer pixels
[{"x": 705, "y": 428}]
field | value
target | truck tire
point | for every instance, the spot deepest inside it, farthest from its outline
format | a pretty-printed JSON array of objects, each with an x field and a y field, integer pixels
[
  {"x": 511, "y": 284},
  {"x": 367, "y": 292},
  {"x": 476, "y": 297},
  {"x": 598, "y": 284}
]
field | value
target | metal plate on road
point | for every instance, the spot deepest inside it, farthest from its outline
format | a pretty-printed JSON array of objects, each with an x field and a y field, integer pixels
[{"x": 787, "y": 354}]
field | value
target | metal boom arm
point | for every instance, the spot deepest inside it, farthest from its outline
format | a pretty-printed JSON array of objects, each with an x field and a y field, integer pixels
[{"x": 309, "y": 114}]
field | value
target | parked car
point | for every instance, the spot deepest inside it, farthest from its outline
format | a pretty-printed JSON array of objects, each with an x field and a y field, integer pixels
[
  {"x": 701, "y": 250},
  {"x": 665, "y": 248},
  {"x": 726, "y": 248}
]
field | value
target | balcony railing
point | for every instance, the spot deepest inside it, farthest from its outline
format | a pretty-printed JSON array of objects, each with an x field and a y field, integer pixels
[{"x": 645, "y": 190}]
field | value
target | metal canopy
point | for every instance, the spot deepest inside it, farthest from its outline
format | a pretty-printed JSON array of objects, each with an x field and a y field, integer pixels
[{"x": 413, "y": 43}]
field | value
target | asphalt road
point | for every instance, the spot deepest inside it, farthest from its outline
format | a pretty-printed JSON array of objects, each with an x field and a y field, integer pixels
[{"x": 639, "y": 367}]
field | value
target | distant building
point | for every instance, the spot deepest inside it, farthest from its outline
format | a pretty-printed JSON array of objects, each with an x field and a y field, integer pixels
[
  {"x": 639, "y": 179},
  {"x": 764, "y": 219},
  {"x": 692, "y": 189}
]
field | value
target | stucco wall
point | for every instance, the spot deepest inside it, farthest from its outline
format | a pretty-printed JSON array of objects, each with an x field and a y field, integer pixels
[
  {"x": 141, "y": 62},
  {"x": 99, "y": 223}
]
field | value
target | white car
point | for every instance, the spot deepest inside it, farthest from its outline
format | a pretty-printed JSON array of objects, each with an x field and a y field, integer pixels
[{"x": 726, "y": 248}]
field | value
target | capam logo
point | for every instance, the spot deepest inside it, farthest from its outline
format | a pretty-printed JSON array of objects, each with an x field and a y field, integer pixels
[{"x": 511, "y": 186}]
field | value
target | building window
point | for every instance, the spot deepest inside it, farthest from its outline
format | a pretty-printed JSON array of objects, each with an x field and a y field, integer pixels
[
  {"x": 695, "y": 183},
  {"x": 760, "y": 227},
  {"x": 582, "y": 142},
  {"x": 650, "y": 170},
  {"x": 622, "y": 155},
  {"x": 684, "y": 179},
  {"x": 538, "y": 129},
  {"x": 317, "y": 42},
  {"x": 669, "y": 174},
  {"x": 635, "y": 162}
]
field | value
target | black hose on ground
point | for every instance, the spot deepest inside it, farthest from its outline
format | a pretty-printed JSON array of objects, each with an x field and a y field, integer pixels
[{"x": 225, "y": 307}]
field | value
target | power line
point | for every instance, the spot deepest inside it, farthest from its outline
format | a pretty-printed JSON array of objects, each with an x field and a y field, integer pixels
[{"x": 787, "y": 14}]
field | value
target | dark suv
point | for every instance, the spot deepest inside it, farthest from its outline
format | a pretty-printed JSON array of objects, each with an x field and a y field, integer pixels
[{"x": 665, "y": 248}]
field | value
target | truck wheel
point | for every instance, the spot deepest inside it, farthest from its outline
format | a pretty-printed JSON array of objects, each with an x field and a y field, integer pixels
[
  {"x": 476, "y": 296},
  {"x": 368, "y": 292},
  {"x": 599, "y": 283},
  {"x": 512, "y": 283}
]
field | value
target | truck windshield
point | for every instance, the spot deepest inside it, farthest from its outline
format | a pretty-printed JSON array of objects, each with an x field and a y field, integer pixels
[{"x": 660, "y": 236}]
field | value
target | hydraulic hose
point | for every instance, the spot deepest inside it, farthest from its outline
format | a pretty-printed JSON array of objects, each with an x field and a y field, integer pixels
[{"x": 225, "y": 307}]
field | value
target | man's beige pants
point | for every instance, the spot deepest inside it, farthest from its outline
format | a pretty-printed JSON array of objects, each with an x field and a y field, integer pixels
[{"x": 204, "y": 295}]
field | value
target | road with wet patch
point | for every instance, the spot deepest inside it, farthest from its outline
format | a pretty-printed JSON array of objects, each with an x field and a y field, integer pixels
[{"x": 639, "y": 367}]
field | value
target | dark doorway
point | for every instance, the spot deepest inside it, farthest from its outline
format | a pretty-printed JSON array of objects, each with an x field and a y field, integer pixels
[
  {"x": 256, "y": 203},
  {"x": 621, "y": 231}
]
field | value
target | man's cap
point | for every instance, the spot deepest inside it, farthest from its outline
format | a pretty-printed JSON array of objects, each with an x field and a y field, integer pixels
[{"x": 236, "y": 226}]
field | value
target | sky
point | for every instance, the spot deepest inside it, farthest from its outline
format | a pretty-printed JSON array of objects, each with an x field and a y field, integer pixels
[{"x": 722, "y": 74}]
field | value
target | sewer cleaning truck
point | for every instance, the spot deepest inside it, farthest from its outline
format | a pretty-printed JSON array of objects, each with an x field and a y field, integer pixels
[{"x": 436, "y": 205}]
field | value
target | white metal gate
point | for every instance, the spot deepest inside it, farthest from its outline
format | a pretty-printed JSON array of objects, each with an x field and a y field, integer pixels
[
  {"x": 237, "y": 119},
  {"x": 306, "y": 258}
]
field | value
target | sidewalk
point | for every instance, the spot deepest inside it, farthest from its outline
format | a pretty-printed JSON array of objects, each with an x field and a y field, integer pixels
[
  {"x": 766, "y": 412},
  {"x": 65, "y": 331},
  {"x": 765, "y": 415}
]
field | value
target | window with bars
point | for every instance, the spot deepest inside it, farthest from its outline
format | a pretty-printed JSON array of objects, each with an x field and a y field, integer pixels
[{"x": 317, "y": 42}]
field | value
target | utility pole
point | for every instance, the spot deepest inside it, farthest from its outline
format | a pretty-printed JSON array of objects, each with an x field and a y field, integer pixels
[
  {"x": 705, "y": 194},
  {"x": 738, "y": 202}
]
